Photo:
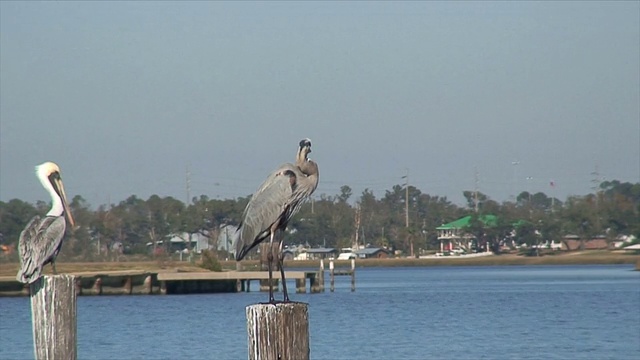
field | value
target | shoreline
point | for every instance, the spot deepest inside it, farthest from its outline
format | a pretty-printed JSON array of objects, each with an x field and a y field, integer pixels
[
  {"x": 492, "y": 260},
  {"x": 574, "y": 258}
]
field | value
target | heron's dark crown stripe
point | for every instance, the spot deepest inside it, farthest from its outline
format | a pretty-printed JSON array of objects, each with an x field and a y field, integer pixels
[{"x": 305, "y": 142}]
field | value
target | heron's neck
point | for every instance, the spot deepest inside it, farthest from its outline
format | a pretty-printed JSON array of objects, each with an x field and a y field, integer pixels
[
  {"x": 309, "y": 168},
  {"x": 300, "y": 158},
  {"x": 56, "y": 202}
]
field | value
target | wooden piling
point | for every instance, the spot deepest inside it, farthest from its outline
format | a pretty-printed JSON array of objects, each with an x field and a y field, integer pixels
[
  {"x": 301, "y": 286},
  {"x": 128, "y": 286},
  {"x": 148, "y": 284},
  {"x": 78, "y": 284},
  {"x": 53, "y": 314},
  {"x": 353, "y": 275},
  {"x": 278, "y": 332},
  {"x": 332, "y": 276},
  {"x": 321, "y": 276},
  {"x": 26, "y": 290},
  {"x": 264, "y": 285},
  {"x": 314, "y": 283},
  {"x": 97, "y": 286}
]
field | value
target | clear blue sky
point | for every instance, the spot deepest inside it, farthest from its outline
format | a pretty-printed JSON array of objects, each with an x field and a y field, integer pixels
[{"x": 125, "y": 96}]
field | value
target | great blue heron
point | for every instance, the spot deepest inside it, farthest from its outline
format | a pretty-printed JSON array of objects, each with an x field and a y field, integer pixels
[
  {"x": 41, "y": 239},
  {"x": 273, "y": 205}
]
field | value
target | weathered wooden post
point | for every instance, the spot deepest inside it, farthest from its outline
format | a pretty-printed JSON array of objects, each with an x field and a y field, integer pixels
[
  {"x": 25, "y": 290},
  {"x": 353, "y": 275},
  {"x": 331, "y": 276},
  {"x": 78, "y": 286},
  {"x": 314, "y": 283},
  {"x": 97, "y": 286},
  {"x": 301, "y": 286},
  {"x": 148, "y": 284},
  {"x": 53, "y": 316},
  {"x": 279, "y": 331},
  {"x": 321, "y": 271},
  {"x": 128, "y": 286}
]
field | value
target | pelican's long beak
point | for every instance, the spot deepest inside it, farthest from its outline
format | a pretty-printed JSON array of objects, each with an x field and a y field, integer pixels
[{"x": 65, "y": 203}]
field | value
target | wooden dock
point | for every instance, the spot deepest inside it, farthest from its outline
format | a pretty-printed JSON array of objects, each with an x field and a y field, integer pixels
[{"x": 140, "y": 282}]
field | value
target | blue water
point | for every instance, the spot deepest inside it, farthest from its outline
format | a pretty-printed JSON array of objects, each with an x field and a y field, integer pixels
[{"x": 515, "y": 312}]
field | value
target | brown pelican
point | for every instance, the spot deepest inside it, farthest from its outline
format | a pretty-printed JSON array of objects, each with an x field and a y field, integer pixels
[
  {"x": 41, "y": 239},
  {"x": 274, "y": 204}
]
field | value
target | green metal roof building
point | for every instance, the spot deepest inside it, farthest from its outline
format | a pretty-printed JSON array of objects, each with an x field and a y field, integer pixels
[
  {"x": 457, "y": 236},
  {"x": 488, "y": 220}
]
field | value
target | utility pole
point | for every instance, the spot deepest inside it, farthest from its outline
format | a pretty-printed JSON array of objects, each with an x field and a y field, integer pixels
[
  {"x": 188, "y": 186},
  {"x": 529, "y": 204},
  {"x": 406, "y": 200},
  {"x": 357, "y": 221},
  {"x": 515, "y": 179},
  {"x": 553, "y": 195},
  {"x": 475, "y": 191},
  {"x": 596, "y": 185},
  {"x": 406, "y": 210},
  {"x": 187, "y": 204}
]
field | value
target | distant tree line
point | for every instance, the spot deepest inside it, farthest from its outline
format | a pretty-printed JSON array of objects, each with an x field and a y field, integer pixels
[{"x": 334, "y": 221}]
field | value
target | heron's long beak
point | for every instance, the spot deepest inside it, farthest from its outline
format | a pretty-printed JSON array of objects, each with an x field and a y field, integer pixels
[{"x": 65, "y": 204}]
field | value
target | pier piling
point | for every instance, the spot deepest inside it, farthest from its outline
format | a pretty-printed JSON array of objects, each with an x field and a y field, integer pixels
[
  {"x": 53, "y": 314},
  {"x": 279, "y": 331},
  {"x": 148, "y": 284},
  {"x": 353, "y": 275},
  {"x": 301, "y": 286},
  {"x": 321, "y": 276},
  {"x": 97, "y": 286},
  {"x": 331, "y": 276},
  {"x": 128, "y": 286}
]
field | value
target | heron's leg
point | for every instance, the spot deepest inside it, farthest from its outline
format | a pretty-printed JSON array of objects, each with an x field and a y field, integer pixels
[
  {"x": 284, "y": 281},
  {"x": 270, "y": 263},
  {"x": 53, "y": 265}
]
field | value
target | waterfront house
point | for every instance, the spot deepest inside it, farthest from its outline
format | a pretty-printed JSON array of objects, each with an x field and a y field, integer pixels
[
  {"x": 633, "y": 248},
  {"x": 574, "y": 242},
  {"x": 288, "y": 254},
  {"x": 321, "y": 253},
  {"x": 371, "y": 253},
  {"x": 454, "y": 235},
  {"x": 180, "y": 242}
]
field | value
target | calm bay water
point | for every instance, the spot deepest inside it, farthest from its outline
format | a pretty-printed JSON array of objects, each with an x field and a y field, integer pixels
[{"x": 515, "y": 312}]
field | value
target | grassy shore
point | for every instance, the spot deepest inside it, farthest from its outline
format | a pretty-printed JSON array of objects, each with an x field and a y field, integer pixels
[
  {"x": 573, "y": 258},
  {"x": 584, "y": 258}
]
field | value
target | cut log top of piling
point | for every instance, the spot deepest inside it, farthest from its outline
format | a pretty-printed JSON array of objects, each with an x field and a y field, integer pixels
[
  {"x": 53, "y": 314},
  {"x": 278, "y": 331}
]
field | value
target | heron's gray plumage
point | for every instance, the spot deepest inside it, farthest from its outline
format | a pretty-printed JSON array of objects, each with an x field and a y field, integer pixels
[
  {"x": 39, "y": 244},
  {"x": 275, "y": 202},
  {"x": 41, "y": 239}
]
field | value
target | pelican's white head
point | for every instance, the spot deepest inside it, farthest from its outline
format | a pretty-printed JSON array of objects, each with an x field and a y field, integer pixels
[
  {"x": 49, "y": 175},
  {"x": 45, "y": 169}
]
